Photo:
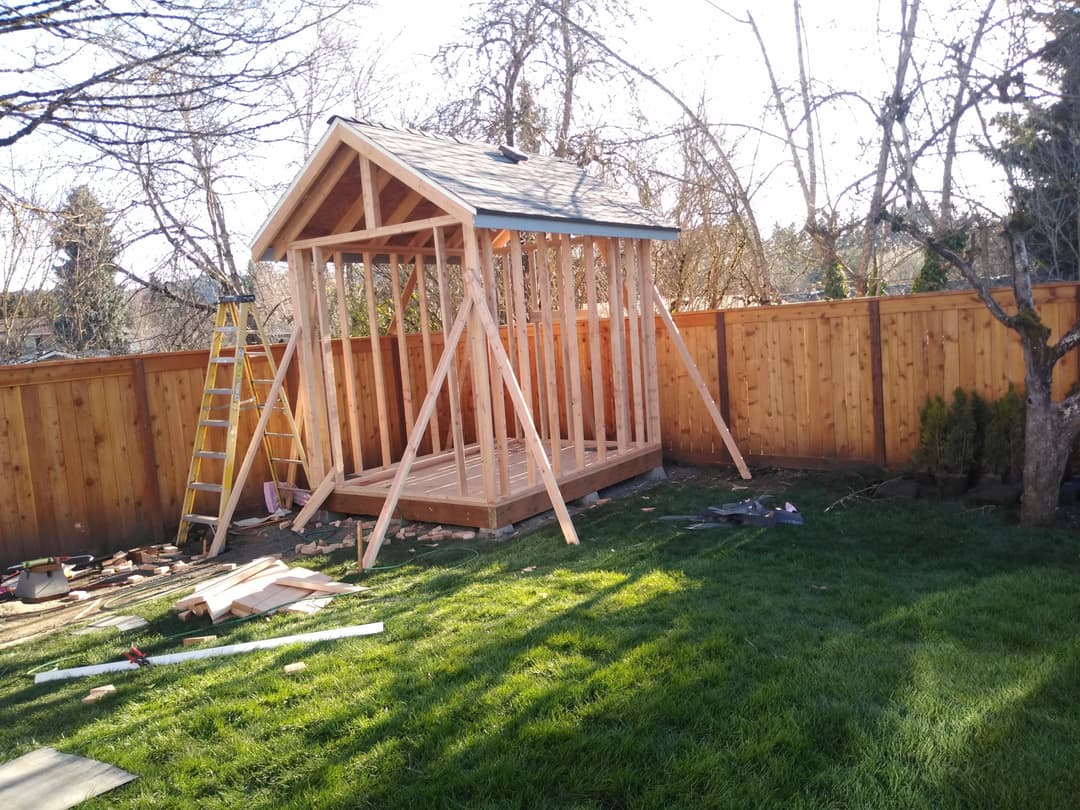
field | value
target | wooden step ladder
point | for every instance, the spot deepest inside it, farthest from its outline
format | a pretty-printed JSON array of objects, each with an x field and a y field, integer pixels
[{"x": 232, "y": 388}]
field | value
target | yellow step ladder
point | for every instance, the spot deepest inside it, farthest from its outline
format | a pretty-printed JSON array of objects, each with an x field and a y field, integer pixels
[{"x": 232, "y": 388}]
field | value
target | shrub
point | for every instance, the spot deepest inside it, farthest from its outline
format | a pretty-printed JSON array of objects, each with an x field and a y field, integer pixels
[
  {"x": 961, "y": 436},
  {"x": 1003, "y": 452},
  {"x": 932, "y": 420}
]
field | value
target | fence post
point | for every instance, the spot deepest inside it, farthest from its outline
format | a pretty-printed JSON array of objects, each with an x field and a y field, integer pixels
[
  {"x": 877, "y": 383},
  {"x": 147, "y": 453},
  {"x": 722, "y": 367}
]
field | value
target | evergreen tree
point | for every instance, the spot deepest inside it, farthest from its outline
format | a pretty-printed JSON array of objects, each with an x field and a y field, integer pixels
[
  {"x": 91, "y": 305},
  {"x": 835, "y": 282},
  {"x": 933, "y": 275},
  {"x": 1042, "y": 150}
]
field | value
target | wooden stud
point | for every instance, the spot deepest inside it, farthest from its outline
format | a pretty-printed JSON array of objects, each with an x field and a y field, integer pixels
[
  {"x": 352, "y": 400},
  {"x": 631, "y": 283},
  {"x": 533, "y": 305},
  {"x": 482, "y": 393},
  {"x": 307, "y": 365},
  {"x": 456, "y": 428},
  {"x": 376, "y": 358},
  {"x": 648, "y": 320},
  {"x": 511, "y": 332},
  {"x": 403, "y": 346},
  {"x": 367, "y": 556},
  {"x": 618, "y": 347},
  {"x": 551, "y": 384},
  {"x": 699, "y": 383},
  {"x": 485, "y": 257},
  {"x": 570, "y": 341},
  {"x": 425, "y": 335},
  {"x": 329, "y": 373},
  {"x": 532, "y": 438},
  {"x": 372, "y": 211},
  {"x": 599, "y": 427},
  {"x": 517, "y": 301}
]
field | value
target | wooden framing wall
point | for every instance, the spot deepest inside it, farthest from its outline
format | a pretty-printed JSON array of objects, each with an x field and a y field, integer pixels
[{"x": 512, "y": 354}]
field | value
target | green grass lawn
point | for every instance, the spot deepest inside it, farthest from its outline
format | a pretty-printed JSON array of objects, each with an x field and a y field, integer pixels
[{"x": 884, "y": 655}]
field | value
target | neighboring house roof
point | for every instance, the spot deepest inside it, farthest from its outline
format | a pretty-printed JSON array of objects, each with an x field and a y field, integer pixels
[{"x": 469, "y": 180}]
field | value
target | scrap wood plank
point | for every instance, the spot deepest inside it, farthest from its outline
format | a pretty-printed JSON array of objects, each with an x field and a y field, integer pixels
[
  {"x": 225, "y": 581},
  {"x": 275, "y": 594},
  {"x": 307, "y": 606},
  {"x": 324, "y": 585},
  {"x": 270, "y": 598},
  {"x": 193, "y": 601},
  {"x": 218, "y": 604}
]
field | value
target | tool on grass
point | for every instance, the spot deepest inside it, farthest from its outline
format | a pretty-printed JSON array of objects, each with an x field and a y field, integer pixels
[
  {"x": 749, "y": 512},
  {"x": 137, "y": 656}
]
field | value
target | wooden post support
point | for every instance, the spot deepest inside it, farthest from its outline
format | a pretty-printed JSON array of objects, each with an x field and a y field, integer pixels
[
  {"x": 372, "y": 213},
  {"x": 533, "y": 304},
  {"x": 308, "y": 369},
  {"x": 552, "y": 386},
  {"x": 699, "y": 383},
  {"x": 402, "y": 344},
  {"x": 352, "y": 401},
  {"x": 481, "y": 379},
  {"x": 599, "y": 426},
  {"x": 618, "y": 347},
  {"x": 532, "y": 438},
  {"x": 570, "y": 342},
  {"x": 376, "y": 359},
  {"x": 457, "y": 430},
  {"x": 425, "y": 335},
  {"x": 648, "y": 320},
  {"x": 521, "y": 324},
  {"x": 253, "y": 446},
  {"x": 485, "y": 258},
  {"x": 511, "y": 331},
  {"x": 631, "y": 279},
  {"x": 366, "y": 556},
  {"x": 329, "y": 374}
]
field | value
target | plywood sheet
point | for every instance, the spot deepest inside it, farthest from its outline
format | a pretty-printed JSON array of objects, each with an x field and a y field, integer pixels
[{"x": 48, "y": 779}]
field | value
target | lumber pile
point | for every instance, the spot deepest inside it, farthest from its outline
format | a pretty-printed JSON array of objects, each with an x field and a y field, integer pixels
[{"x": 265, "y": 585}]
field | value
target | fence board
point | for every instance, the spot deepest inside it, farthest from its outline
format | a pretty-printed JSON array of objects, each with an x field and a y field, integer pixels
[{"x": 76, "y": 443}]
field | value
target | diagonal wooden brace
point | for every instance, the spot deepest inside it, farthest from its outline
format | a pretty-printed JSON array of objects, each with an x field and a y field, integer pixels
[{"x": 699, "y": 383}]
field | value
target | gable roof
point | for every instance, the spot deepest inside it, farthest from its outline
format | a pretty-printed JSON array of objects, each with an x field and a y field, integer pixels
[
  {"x": 466, "y": 179},
  {"x": 497, "y": 187}
]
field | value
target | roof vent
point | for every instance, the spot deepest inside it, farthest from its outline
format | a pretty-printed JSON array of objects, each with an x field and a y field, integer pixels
[{"x": 512, "y": 154}]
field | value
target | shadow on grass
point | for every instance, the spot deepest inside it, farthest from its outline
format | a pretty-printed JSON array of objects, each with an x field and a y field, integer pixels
[{"x": 855, "y": 662}]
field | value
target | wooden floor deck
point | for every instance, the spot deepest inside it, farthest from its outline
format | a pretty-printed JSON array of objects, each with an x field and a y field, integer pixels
[{"x": 431, "y": 492}]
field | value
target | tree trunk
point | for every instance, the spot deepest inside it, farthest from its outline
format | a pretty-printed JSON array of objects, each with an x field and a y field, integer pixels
[{"x": 1047, "y": 441}]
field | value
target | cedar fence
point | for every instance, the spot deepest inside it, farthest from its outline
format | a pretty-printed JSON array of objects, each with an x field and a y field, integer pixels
[{"x": 94, "y": 453}]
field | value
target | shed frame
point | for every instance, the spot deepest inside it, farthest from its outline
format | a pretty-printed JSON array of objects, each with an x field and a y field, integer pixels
[{"x": 514, "y": 250}]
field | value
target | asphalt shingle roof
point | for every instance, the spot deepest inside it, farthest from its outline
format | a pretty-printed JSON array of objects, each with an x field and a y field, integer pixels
[{"x": 540, "y": 187}]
